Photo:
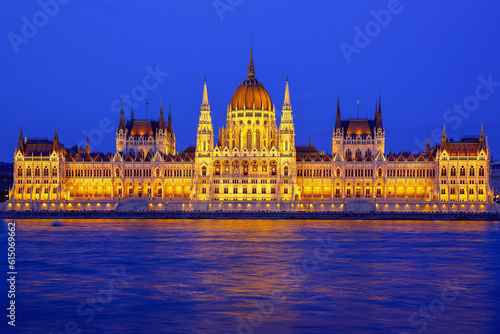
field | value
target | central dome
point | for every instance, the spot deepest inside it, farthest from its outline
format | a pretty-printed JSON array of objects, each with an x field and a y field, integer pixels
[{"x": 251, "y": 94}]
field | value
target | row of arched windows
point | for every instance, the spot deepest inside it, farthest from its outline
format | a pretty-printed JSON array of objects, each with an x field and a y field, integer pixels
[
  {"x": 453, "y": 171},
  {"x": 37, "y": 171}
]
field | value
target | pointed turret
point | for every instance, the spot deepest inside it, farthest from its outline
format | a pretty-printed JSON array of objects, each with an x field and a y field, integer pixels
[
  {"x": 309, "y": 141},
  {"x": 338, "y": 120},
  {"x": 205, "y": 135},
  {"x": 20, "y": 142},
  {"x": 286, "y": 104},
  {"x": 132, "y": 118},
  {"x": 481, "y": 135},
  {"x": 251, "y": 68},
  {"x": 378, "y": 121},
  {"x": 87, "y": 147},
  {"x": 376, "y": 112},
  {"x": 122, "y": 118},
  {"x": 162, "y": 123},
  {"x": 55, "y": 142},
  {"x": 427, "y": 146},
  {"x": 204, "y": 102},
  {"x": 443, "y": 138},
  {"x": 169, "y": 124}
]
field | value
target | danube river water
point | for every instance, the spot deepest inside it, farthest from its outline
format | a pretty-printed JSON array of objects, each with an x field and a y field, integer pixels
[{"x": 255, "y": 276}]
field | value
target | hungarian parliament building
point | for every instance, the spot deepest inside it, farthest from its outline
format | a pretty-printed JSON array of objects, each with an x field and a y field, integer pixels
[{"x": 251, "y": 164}]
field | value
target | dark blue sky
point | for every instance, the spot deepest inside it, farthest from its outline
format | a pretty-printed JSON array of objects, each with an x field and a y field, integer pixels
[{"x": 427, "y": 58}]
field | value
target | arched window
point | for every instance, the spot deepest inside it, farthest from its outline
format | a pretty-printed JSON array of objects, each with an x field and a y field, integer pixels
[
  {"x": 471, "y": 171},
  {"x": 45, "y": 171},
  {"x": 157, "y": 172},
  {"x": 204, "y": 170},
  {"x": 481, "y": 171},
  {"x": 453, "y": 171},
  {"x": 273, "y": 168},
  {"x": 217, "y": 168},
  {"x": 348, "y": 153},
  {"x": 249, "y": 139},
  {"x": 264, "y": 167},
  {"x": 358, "y": 153},
  {"x": 236, "y": 167},
  {"x": 380, "y": 172},
  {"x": 368, "y": 152},
  {"x": 285, "y": 171},
  {"x": 257, "y": 140},
  {"x": 205, "y": 145},
  {"x": 37, "y": 171},
  {"x": 462, "y": 171},
  {"x": 338, "y": 172},
  {"x": 117, "y": 172},
  {"x": 244, "y": 165},
  {"x": 443, "y": 171},
  {"x": 54, "y": 171},
  {"x": 255, "y": 167},
  {"x": 20, "y": 171}
]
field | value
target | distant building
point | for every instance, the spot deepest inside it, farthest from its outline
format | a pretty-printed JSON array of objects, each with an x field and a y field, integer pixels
[
  {"x": 6, "y": 180},
  {"x": 495, "y": 177},
  {"x": 253, "y": 164}
]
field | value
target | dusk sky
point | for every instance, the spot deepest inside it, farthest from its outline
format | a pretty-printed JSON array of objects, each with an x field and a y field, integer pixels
[{"x": 70, "y": 67}]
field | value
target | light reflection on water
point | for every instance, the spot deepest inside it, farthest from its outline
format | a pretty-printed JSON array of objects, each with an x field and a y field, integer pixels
[{"x": 205, "y": 276}]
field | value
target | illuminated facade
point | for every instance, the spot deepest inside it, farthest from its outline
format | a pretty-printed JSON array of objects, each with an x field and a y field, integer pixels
[{"x": 253, "y": 165}]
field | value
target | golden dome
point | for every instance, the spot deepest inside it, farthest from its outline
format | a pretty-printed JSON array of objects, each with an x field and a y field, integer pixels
[{"x": 251, "y": 92}]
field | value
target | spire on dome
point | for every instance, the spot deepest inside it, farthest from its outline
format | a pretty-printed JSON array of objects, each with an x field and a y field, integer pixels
[
  {"x": 481, "y": 135},
  {"x": 251, "y": 68},
  {"x": 428, "y": 145},
  {"x": 132, "y": 118},
  {"x": 162, "y": 123}
]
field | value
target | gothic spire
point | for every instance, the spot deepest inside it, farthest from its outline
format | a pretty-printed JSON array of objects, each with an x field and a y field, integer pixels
[
  {"x": 122, "y": 118},
  {"x": 132, "y": 118},
  {"x": 428, "y": 145},
  {"x": 338, "y": 120},
  {"x": 204, "y": 101},
  {"x": 20, "y": 143},
  {"x": 378, "y": 120},
  {"x": 443, "y": 138},
  {"x": 87, "y": 147},
  {"x": 162, "y": 123},
  {"x": 169, "y": 124},
  {"x": 55, "y": 142},
  {"x": 481, "y": 135}
]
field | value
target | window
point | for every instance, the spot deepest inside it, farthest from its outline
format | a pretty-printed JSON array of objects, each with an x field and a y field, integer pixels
[
  {"x": 20, "y": 171},
  {"x": 37, "y": 171},
  {"x": 471, "y": 191},
  {"x": 453, "y": 171},
  {"x": 204, "y": 170},
  {"x": 380, "y": 172},
  {"x": 471, "y": 171},
  {"x": 203, "y": 190},
  {"x": 443, "y": 171},
  {"x": 481, "y": 171},
  {"x": 443, "y": 191},
  {"x": 480, "y": 191},
  {"x": 338, "y": 172},
  {"x": 285, "y": 171},
  {"x": 462, "y": 191},
  {"x": 263, "y": 190},
  {"x": 254, "y": 190},
  {"x": 54, "y": 171},
  {"x": 226, "y": 190},
  {"x": 462, "y": 171},
  {"x": 245, "y": 190},
  {"x": 216, "y": 190},
  {"x": 235, "y": 190}
]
